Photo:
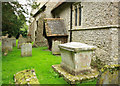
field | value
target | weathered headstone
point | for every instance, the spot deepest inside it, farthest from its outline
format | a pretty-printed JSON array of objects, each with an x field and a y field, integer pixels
[
  {"x": 26, "y": 49},
  {"x": 110, "y": 74},
  {"x": 6, "y": 44},
  {"x": 55, "y": 48},
  {"x": 13, "y": 39},
  {"x": 21, "y": 40},
  {"x": 26, "y": 77}
]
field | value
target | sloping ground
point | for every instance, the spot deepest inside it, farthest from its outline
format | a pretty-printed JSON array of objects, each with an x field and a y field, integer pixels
[{"x": 41, "y": 61}]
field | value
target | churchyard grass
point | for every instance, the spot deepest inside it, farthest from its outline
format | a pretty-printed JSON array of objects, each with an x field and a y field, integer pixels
[
  {"x": 41, "y": 61},
  {"x": 0, "y": 43}
]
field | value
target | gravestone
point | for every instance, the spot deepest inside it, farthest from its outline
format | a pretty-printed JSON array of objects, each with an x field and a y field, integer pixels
[
  {"x": 6, "y": 45},
  {"x": 109, "y": 74},
  {"x": 26, "y": 49},
  {"x": 26, "y": 77},
  {"x": 55, "y": 49},
  {"x": 21, "y": 40},
  {"x": 13, "y": 39}
]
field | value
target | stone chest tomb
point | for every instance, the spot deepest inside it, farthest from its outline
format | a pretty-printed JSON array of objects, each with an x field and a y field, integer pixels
[
  {"x": 76, "y": 57},
  {"x": 55, "y": 32}
]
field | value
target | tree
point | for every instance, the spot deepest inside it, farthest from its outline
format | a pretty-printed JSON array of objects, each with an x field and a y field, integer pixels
[{"x": 12, "y": 18}]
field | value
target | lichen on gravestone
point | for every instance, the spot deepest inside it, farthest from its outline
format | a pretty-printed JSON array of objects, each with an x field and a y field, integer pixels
[{"x": 26, "y": 77}]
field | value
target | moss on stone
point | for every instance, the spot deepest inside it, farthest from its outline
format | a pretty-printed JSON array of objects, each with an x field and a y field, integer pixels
[
  {"x": 26, "y": 77},
  {"x": 109, "y": 74},
  {"x": 74, "y": 79},
  {"x": 98, "y": 64}
]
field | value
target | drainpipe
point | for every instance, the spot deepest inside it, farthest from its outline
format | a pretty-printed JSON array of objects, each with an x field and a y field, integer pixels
[{"x": 71, "y": 23}]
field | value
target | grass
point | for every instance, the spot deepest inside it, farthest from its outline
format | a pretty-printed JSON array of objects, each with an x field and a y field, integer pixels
[{"x": 41, "y": 61}]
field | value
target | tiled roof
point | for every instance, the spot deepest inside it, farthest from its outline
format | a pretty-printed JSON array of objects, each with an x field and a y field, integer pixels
[
  {"x": 58, "y": 4},
  {"x": 54, "y": 27}
]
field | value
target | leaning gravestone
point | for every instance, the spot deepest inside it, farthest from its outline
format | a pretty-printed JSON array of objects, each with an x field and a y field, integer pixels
[
  {"x": 26, "y": 49},
  {"x": 6, "y": 44},
  {"x": 27, "y": 77},
  {"x": 110, "y": 74}
]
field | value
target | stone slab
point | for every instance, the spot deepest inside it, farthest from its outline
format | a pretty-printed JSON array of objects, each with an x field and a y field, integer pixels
[
  {"x": 26, "y": 77},
  {"x": 71, "y": 79},
  {"x": 76, "y": 46}
]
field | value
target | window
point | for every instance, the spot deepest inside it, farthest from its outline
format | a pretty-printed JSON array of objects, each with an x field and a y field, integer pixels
[
  {"x": 37, "y": 23},
  {"x": 80, "y": 15},
  {"x": 77, "y": 13},
  {"x": 76, "y": 16}
]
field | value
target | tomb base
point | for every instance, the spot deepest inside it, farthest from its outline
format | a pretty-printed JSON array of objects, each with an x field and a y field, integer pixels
[
  {"x": 74, "y": 71},
  {"x": 71, "y": 79}
]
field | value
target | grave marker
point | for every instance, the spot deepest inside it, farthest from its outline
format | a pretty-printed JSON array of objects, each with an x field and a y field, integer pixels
[
  {"x": 6, "y": 44},
  {"x": 76, "y": 60},
  {"x": 26, "y": 49},
  {"x": 76, "y": 57},
  {"x": 26, "y": 77}
]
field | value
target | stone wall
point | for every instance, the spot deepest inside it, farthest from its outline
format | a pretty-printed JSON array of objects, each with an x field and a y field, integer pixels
[
  {"x": 64, "y": 12},
  {"x": 31, "y": 30},
  {"x": 106, "y": 39},
  {"x": 37, "y": 31},
  {"x": 98, "y": 14},
  {"x": 40, "y": 40},
  {"x": 98, "y": 19}
]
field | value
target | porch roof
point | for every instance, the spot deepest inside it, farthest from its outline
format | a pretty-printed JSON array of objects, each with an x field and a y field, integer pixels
[{"x": 54, "y": 27}]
